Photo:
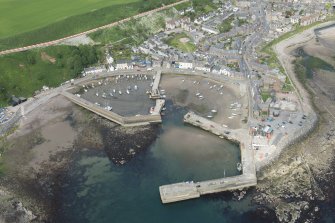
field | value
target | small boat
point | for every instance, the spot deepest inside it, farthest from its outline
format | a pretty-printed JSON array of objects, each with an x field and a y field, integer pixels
[
  {"x": 194, "y": 82},
  {"x": 197, "y": 94},
  {"x": 214, "y": 86},
  {"x": 239, "y": 166},
  {"x": 221, "y": 93},
  {"x": 221, "y": 137},
  {"x": 221, "y": 86},
  {"x": 151, "y": 84},
  {"x": 164, "y": 108},
  {"x": 99, "y": 83},
  {"x": 111, "y": 94},
  {"x": 182, "y": 80},
  {"x": 97, "y": 104},
  {"x": 97, "y": 94},
  {"x": 135, "y": 87},
  {"x": 120, "y": 92},
  {"x": 163, "y": 96},
  {"x": 85, "y": 90},
  {"x": 214, "y": 111},
  {"x": 103, "y": 95},
  {"x": 152, "y": 109},
  {"x": 128, "y": 92},
  {"x": 209, "y": 116},
  {"x": 210, "y": 87},
  {"x": 78, "y": 95},
  {"x": 230, "y": 117},
  {"x": 233, "y": 114},
  {"x": 201, "y": 97}
]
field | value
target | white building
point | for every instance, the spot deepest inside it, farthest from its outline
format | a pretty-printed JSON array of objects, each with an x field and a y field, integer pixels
[
  {"x": 184, "y": 65},
  {"x": 109, "y": 59},
  {"x": 124, "y": 65},
  {"x": 225, "y": 71},
  {"x": 94, "y": 70},
  {"x": 210, "y": 30}
]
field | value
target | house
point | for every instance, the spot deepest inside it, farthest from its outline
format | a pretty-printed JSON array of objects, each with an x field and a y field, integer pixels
[
  {"x": 124, "y": 65},
  {"x": 166, "y": 64},
  {"x": 225, "y": 71},
  {"x": 202, "y": 66},
  {"x": 156, "y": 63},
  {"x": 308, "y": 20},
  {"x": 216, "y": 69},
  {"x": 294, "y": 19}
]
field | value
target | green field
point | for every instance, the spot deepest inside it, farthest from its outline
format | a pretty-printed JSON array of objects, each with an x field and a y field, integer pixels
[
  {"x": 176, "y": 41},
  {"x": 37, "y": 21},
  {"x": 19, "y": 16}
]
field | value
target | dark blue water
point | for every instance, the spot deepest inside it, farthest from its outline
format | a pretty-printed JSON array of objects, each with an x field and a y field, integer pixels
[{"x": 102, "y": 192}]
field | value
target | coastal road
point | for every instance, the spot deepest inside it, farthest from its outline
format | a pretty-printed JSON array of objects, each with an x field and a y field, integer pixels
[{"x": 57, "y": 41}]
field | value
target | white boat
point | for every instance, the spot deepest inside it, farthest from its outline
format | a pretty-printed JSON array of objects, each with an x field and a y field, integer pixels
[
  {"x": 221, "y": 86},
  {"x": 230, "y": 117},
  {"x": 111, "y": 94},
  {"x": 114, "y": 90},
  {"x": 151, "y": 110},
  {"x": 233, "y": 114},
  {"x": 209, "y": 116},
  {"x": 120, "y": 92},
  {"x": 128, "y": 92},
  {"x": 99, "y": 83},
  {"x": 194, "y": 82},
  {"x": 97, "y": 94},
  {"x": 85, "y": 90},
  {"x": 78, "y": 95},
  {"x": 210, "y": 87},
  {"x": 239, "y": 166},
  {"x": 151, "y": 84},
  {"x": 135, "y": 87},
  {"x": 197, "y": 94},
  {"x": 214, "y": 111},
  {"x": 221, "y": 93},
  {"x": 201, "y": 97},
  {"x": 214, "y": 86},
  {"x": 103, "y": 95}
]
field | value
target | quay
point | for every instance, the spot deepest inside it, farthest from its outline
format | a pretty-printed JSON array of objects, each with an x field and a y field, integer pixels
[
  {"x": 112, "y": 116},
  {"x": 189, "y": 190},
  {"x": 154, "y": 93}
]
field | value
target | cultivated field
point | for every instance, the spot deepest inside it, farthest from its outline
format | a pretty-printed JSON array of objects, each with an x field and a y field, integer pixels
[{"x": 18, "y": 17}]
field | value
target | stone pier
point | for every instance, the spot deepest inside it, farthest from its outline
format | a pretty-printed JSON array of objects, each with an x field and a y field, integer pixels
[{"x": 189, "y": 190}]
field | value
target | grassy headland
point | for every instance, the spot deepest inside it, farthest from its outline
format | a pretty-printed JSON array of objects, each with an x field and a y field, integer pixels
[{"x": 24, "y": 73}]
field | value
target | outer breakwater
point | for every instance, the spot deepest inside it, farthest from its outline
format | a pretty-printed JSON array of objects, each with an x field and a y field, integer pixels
[{"x": 189, "y": 190}]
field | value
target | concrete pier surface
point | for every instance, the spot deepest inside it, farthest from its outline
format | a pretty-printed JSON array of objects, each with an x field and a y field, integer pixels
[
  {"x": 154, "y": 93},
  {"x": 189, "y": 190}
]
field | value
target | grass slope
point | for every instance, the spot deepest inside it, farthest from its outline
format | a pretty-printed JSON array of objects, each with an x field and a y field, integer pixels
[
  {"x": 18, "y": 17},
  {"x": 78, "y": 23}
]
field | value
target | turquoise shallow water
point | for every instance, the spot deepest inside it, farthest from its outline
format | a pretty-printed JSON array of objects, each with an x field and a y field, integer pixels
[{"x": 99, "y": 191}]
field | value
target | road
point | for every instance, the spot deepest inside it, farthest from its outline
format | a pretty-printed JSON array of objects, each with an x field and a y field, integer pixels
[{"x": 57, "y": 41}]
